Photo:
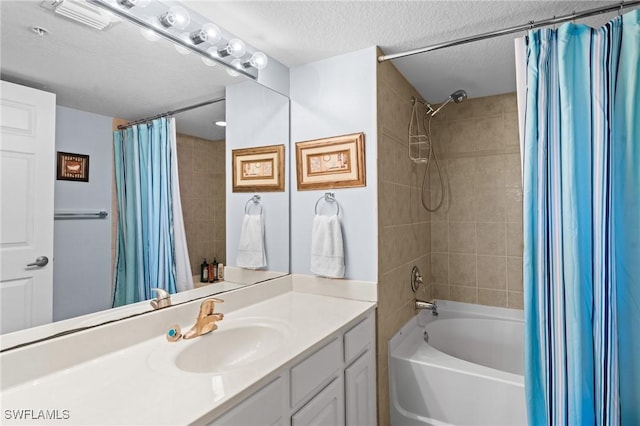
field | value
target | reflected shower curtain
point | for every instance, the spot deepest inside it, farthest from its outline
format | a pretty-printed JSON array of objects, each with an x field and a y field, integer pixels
[
  {"x": 582, "y": 224},
  {"x": 151, "y": 245}
]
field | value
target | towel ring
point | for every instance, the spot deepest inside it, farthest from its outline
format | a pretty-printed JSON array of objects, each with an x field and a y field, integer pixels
[
  {"x": 256, "y": 200},
  {"x": 328, "y": 197}
]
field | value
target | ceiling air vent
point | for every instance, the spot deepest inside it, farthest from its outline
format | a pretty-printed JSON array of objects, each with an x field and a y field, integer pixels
[{"x": 82, "y": 12}]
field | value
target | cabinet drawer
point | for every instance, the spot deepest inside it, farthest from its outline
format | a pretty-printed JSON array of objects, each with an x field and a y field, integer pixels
[
  {"x": 265, "y": 407},
  {"x": 310, "y": 374},
  {"x": 358, "y": 339}
]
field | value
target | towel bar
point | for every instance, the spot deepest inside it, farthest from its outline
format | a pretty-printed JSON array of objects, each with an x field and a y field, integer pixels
[
  {"x": 256, "y": 200},
  {"x": 81, "y": 215},
  {"x": 328, "y": 197}
]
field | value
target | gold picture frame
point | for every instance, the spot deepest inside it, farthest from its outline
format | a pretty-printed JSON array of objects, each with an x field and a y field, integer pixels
[
  {"x": 258, "y": 169},
  {"x": 336, "y": 162},
  {"x": 72, "y": 166}
]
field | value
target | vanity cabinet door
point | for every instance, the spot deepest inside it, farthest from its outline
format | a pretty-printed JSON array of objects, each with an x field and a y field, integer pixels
[
  {"x": 263, "y": 408},
  {"x": 325, "y": 409},
  {"x": 360, "y": 390}
]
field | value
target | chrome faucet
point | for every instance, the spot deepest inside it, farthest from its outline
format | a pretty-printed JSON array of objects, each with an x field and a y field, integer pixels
[
  {"x": 206, "y": 321},
  {"x": 432, "y": 306}
]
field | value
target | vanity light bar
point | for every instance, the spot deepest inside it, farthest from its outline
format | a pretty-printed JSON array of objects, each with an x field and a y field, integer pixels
[{"x": 187, "y": 43}]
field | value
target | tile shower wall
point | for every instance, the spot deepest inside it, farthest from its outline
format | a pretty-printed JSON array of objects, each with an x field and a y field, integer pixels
[
  {"x": 403, "y": 225},
  {"x": 476, "y": 238},
  {"x": 201, "y": 170}
]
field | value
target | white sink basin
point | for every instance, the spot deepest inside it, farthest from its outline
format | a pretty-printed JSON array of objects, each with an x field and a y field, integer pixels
[{"x": 234, "y": 345}]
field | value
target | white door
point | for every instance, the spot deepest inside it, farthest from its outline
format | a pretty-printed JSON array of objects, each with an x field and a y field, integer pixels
[{"x": 27, "y": 161}]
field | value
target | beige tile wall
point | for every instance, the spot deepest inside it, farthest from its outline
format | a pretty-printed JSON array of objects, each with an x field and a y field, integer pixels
[
  {"x": 403, "y": 225},
  {"x": 201, "y": 170},
  {"x": 471, "y": 249},
  {"x": 476, "y": 238}
]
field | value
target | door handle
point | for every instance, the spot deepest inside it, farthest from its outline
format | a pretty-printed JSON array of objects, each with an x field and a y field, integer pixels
[{"x": 40, "y": 262}]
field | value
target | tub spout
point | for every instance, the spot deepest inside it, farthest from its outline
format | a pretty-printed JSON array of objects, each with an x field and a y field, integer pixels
[{"x": 432, "y": 306}]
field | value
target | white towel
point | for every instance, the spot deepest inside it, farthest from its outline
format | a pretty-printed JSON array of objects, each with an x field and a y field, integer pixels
[
  {"x": 327, "y": 249},
  {"x": 251, "y": 254}
]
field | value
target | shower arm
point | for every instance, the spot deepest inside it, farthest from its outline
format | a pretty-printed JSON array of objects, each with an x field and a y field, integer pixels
[{"x": 430, "y": 110}]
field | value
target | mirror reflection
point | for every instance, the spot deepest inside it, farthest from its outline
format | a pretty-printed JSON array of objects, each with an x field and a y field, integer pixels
[{"x": 106, "y": 78}]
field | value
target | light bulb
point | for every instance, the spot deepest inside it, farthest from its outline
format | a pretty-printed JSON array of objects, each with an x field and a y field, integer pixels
[
  {"x": 237, "y": 64},
  {"x": 208, "y": 33},
  {"x": 235, "y": 47},
  {"x": 210, "y": 62},
  {"x": 198, "y": 36},
  {"x": 176, "y": 17},
  {"x": 258, "y": 61}
]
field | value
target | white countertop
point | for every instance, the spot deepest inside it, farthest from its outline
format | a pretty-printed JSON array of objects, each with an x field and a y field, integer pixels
[
  {"x": 123, "y": 387},
  {"x": 44, "y": 331}
]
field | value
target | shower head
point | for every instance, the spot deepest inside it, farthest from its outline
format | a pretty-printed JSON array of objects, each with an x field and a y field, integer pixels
[{"x": 458, "y": 96}]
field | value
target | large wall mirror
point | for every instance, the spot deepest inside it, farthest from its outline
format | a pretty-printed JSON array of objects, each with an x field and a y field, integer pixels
[{"x": 102, "y": 76}]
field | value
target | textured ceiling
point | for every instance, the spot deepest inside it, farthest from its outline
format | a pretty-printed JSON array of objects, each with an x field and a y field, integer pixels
[
  {"x": 118, "y": 73},
  {"x": 298, "y": 32}
]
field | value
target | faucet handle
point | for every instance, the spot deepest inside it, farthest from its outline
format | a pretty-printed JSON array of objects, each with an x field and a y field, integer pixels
[
  {"x": 416, "y": 279},
  {"x": 162, "y": 300},
  {"x": 212, "y": 303},
  {"x": 207, "y": 307}
]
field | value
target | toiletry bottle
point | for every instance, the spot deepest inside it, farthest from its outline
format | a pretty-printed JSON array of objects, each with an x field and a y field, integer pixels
[
  {"x": 220, "y": 272},
  {"x": 204, "y": 271},
  {"x": 212, "y": 271},
  {"x": 215, "y": 271}
]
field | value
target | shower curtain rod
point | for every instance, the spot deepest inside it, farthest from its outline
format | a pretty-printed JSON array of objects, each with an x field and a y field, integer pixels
[
  {"x": 528, "y": 26},
  {"x": 176, "y": 111}
]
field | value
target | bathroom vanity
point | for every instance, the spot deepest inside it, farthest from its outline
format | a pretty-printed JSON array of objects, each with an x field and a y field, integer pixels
[
  {"x": 334, "y": 384},
  {"x": 282, "y": 355}
]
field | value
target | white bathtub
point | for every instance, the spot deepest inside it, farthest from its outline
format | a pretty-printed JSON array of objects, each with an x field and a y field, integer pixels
[{"x": 469, "y": 373}]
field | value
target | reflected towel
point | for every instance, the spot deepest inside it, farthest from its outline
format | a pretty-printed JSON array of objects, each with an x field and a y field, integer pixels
[
  {"x": 327, "y": 248},
  {"x": 251, "y": 253}
]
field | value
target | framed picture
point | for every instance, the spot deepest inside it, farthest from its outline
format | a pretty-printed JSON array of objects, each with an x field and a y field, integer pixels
[
  {"x": 336, "y": 162},
  {"x": 259, "y": 169},
  {"x": 73, "y": 167}
]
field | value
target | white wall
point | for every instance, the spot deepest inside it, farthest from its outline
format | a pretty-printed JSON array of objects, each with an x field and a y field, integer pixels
[
  {"x": 82, "y": 247},
  {"x": 334, "y": 97},
  {"x": 257, "y": 116}
]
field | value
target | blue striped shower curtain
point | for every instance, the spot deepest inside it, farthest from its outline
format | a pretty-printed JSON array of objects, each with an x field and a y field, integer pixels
[
  {"x": 146, "y": 173},
  {"x": 581, "y": 173}
]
